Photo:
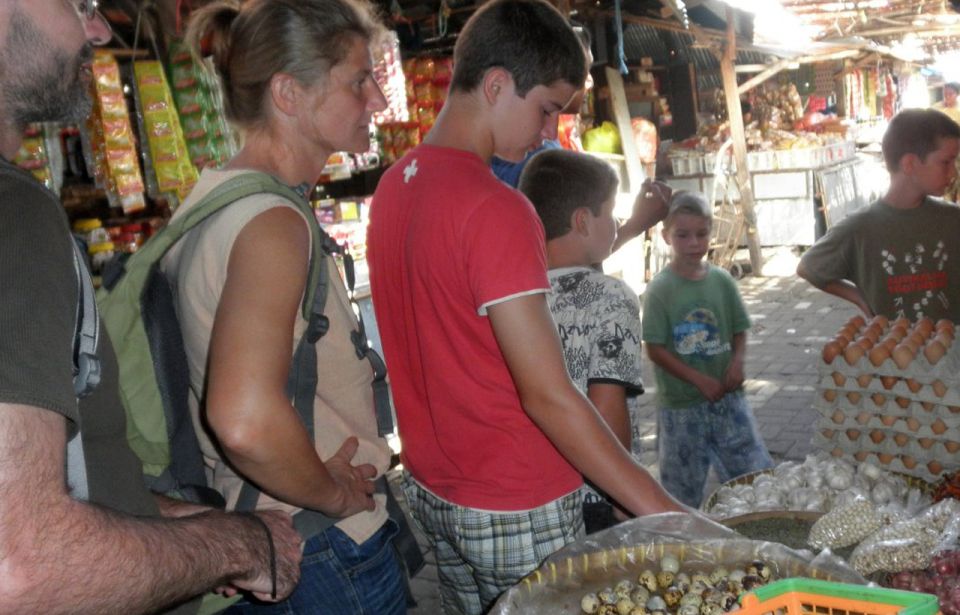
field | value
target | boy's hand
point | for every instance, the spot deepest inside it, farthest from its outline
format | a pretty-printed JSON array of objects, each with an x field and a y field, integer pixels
[
  {"x": 712, "y": 389},
  {"x": 733, "y": 377}
]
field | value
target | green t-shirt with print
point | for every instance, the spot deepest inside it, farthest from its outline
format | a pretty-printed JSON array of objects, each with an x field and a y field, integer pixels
[{"x": 696, "y": 321}]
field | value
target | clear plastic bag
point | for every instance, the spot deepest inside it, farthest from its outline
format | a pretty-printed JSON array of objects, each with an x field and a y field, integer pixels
[{"x": 626, "y": 550}]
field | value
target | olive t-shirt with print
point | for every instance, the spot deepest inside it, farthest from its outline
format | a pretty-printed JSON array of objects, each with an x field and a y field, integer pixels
[
  {"x": 900, "y": 259},
  {"x": 696, "y": 321}
]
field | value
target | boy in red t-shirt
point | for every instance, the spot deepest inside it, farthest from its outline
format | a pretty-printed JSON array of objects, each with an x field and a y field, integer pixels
[{"x": 495, "y": 435}]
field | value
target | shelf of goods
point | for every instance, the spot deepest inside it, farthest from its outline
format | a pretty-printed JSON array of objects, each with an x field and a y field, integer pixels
[{"x": 784, "y": 183}]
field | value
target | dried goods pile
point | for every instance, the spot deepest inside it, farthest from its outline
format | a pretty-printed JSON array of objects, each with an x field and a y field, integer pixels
[{"x": 890, "y": 394}]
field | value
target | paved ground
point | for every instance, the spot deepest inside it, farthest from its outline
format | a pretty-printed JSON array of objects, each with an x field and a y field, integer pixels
[{"x": 791, "y": 322}]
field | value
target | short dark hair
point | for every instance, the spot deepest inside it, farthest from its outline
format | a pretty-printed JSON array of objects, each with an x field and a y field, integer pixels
[
  {"x": 690, "y": 203},
  {"x": 528, "y": 38},
  {"x": 558, "y": 182},
  {"x": 953, "y": 85},
  {"x": 916, "y": 131}
]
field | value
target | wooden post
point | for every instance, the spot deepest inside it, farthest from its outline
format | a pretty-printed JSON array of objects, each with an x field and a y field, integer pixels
[
  {"x": 621, "y": 114},
  {"x": 734, "y": 113}
]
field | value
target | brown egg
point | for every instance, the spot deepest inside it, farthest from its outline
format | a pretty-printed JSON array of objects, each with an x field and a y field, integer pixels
[
  {"x": 889, "y": 343},
  {"x": 884, "y": 458},
  {"x": 888, "y": 381},
  {"x": 861, "y": 455},
  {"x": 878, "y": 354},
  {"x": 854, "y": 397},
  {"x": 865, "y": 343},
  {"x": 847, "y": 331},
  {"x": 879, "y": 398},
  {"x": 943, "y": 338},
  {"x": 938, "y": 426},
  {"x": 837, "y": 452},
  {"x": 830, "y": 352},
  {"x": 924, "y": 326},
  {"x": 839, "y": 378},
  {"x": 842, "y": 342},
  {"x": 863, "y": 417},
  {"x": 903, "y": 402},
  {"x": 872, "y": 332},
  {"x": 838, "y": 415},
  {"x": 934, "y": 351},
  {"x": 829, "y": 394},
  {"x": 954, "y": 409},
  {"x": 903, "y": 355},
  {"x": 901, "y": 439},
  {"x": 913, "y": 385},
  {"x": 856, "y": 321},
  {"x": 852, "y": 354},
  {"x": 864, "y": 380},
  {"x": 913, "y": 424},
  {"x": 926, "y": 405},
  {"x": 888, "y": 420},
  {"x": 944, "y": 325},
  {"x": 951, "y": 446},
  {"x": 853, "y": 434},
  {"x": 939, "y": 388},
  {"x": 908, "y": 462},
  {"x": 877, "y": 436},
  {"x": 880, "y": 320},
  {"x": 827, "y": 433},
  {"x": 925, "y": 443},
  {"x": 898, "y": 332},
  {"x": 935, "y": 467},
  {"x": 901, "y": 322},
  {"x": 917, "y": 339}
]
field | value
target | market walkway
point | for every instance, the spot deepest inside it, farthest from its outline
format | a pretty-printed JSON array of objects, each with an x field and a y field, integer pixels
[{"x": 791, "y": 322}]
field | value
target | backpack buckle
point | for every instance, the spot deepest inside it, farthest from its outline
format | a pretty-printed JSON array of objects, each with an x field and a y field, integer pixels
[
  {"x": 316, "y": 328},
  {"x": 88, "y": 374}
]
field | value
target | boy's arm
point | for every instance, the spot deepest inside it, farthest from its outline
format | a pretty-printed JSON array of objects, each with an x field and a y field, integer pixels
[
  {"x": 610, "y": 400},
  {"x": 845, "y": 289},
  {"x": 733, "y": 377},
  {"x": 711, "y": 388},
  {"x": 650, "y": 207},
  {"x": 528, "y": 339}
]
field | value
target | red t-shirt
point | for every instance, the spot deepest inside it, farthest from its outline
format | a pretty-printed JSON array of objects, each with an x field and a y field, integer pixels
[{"x": 446, "y": 239}]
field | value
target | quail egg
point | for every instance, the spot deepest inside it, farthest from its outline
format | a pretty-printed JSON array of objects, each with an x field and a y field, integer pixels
[
  {"x": 669, "y": 563},
  {"x": 664, "y": 579},
  {"x": 718, "y": 574},
  {"x": 590, "y": 603},
  {"x": 648, "y": 579}
]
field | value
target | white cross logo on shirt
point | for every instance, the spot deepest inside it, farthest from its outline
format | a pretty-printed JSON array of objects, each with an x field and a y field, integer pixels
[{"x": 410, "y": 171}]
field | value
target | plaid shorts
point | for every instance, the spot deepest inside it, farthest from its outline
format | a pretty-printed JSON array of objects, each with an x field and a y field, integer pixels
[{"x": 481, "y": 554}]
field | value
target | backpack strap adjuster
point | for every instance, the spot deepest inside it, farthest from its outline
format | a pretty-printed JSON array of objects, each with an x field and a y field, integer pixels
[{"x": 317, "y": 327}]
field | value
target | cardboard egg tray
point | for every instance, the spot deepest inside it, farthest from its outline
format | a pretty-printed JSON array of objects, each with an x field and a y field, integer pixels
[
  {"x": 906, "y": 463},
  {"x": 905, "y": 420}
]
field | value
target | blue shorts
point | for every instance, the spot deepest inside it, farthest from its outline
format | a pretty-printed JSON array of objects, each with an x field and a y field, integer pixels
[
  {"x": 340, "y": 577},
  {"x": 722, "y": 434}
]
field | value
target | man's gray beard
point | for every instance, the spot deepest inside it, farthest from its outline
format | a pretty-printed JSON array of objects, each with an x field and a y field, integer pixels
[{"x": 37, "y": 91}]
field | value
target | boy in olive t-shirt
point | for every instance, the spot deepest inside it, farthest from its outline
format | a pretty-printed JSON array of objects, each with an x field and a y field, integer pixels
[{"x": 694, "y": 326}]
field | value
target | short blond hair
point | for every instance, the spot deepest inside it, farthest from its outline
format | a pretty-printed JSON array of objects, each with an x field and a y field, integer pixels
[{"x": 690, "y": 203}]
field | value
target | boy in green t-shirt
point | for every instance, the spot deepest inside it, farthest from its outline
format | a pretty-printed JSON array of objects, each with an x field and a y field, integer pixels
[{"x": 694, "y": 325}]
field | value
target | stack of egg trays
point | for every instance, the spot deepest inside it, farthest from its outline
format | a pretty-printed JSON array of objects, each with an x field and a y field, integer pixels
[{"x": 920, "y": 428}]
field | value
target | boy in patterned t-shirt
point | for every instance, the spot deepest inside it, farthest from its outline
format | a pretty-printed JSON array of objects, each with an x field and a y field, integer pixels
[{"x": 597, "y": 316}]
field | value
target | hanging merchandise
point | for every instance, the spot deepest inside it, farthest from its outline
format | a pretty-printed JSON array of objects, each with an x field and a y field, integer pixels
[
  {"x": 110, "y": 143},
  {"x": 33, "y": 156},
  {"x": 172, "y": 169},
  {"x": 889, "y": 101},
  {"x": 388, "y": 71},
  {"x": 199, "y": 101}
]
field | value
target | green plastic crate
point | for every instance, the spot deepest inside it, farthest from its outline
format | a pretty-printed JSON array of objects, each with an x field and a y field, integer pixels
[{"x": 816, "y": 597}]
